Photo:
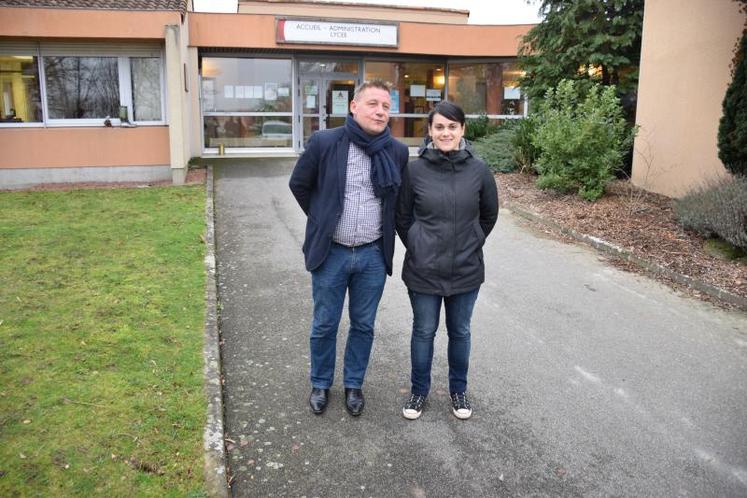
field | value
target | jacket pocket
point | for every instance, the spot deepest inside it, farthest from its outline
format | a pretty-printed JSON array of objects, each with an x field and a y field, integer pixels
[
  {"x": 312, "y": 229},
  {"x": 467, "y": 257},
  {"x": 478, "y": 231},
  {"x": 422, "y": 249}
]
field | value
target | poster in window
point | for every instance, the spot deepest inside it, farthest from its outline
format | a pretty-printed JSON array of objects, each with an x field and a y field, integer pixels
[
  {"x": 394, "y": 95},
  {"x": 283, "y": 91},
  {"x": 310, "y": 88},
  {"x": 417, "y": 90},
  {"x": 257, "y": 91},
  {"x": 339, "y": 101},
  {"x": 271, "y": 91},
  {"x": 511, "y": 93},
  {"x": 433, "y": 95},
  {"x": 239, "y": 92},
  {"x": 228, "y": 91}
]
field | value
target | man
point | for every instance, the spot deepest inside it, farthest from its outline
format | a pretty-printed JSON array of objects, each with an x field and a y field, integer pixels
[{"x": 346, "y": 182}]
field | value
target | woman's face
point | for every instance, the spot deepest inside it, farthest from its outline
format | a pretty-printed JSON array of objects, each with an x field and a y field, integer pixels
[{"x": 446, "y": 134}]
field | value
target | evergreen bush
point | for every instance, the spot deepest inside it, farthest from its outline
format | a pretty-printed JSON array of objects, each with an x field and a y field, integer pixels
[
  {"x": 717, "y": 210},
  {"x": 478, "y": 127},
  {"x": 497, "y": 149},
  {"x": 581, "y": 141},
  {"x": 732, "y": 130},
  {"x": 525, "y": 153}
]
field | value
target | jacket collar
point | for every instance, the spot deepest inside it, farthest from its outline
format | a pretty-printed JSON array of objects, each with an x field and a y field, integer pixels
[{"x": 433, "y": 155}]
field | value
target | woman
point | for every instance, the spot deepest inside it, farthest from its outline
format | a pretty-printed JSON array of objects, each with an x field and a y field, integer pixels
[{"x": 447, "y": 206}]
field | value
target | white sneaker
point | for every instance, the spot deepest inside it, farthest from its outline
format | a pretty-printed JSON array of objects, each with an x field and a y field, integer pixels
[
  {"x": 460, "y": 405},
  {"x": 414, "y": 407}
]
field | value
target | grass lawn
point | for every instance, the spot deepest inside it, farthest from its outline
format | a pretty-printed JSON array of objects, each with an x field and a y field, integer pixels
[{"x": 101, "y": 319}]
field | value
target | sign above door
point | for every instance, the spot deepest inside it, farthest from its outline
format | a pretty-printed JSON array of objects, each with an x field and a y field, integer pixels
[{"x": 336, "y": 33}]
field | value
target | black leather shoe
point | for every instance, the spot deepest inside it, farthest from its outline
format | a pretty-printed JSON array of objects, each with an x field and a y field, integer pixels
[
  {"x": 318, "y": 400},
  {"x": 354, "y": 401}
]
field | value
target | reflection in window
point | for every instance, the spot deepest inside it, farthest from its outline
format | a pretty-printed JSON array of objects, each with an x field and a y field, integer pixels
[
  {"x": 146, "y": 88},
  {"x": 486, "y": 88},
  {"x": 82, "y": 87},
  {"x": 411, "y": 131},
  {"x": 246, "y": 85},
  {"x": 19, "y": 83},
  {"x": 418, "y": 86},
  {"x": 247, "y": 102},
  {"x": 416, "y": 89},
  {"x": 248, "y": 131}
]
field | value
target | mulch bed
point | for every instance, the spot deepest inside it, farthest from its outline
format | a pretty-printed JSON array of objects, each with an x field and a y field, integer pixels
[{"x": 640, "y": 222}]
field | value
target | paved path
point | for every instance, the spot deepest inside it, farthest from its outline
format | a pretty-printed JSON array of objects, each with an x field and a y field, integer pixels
[{"x": 586, "y": 381}]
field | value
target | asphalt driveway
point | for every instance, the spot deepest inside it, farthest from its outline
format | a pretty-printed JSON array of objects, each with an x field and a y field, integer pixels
[{"x": 586, "y": 381}]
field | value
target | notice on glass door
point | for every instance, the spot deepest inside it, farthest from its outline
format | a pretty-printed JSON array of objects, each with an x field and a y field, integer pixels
[
  {"x": 394, "y": 95},
  {"x": 339, "y": 101}
]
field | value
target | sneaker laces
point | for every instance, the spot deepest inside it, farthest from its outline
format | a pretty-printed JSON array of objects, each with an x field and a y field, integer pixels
[
  {"x": 460, "y": 402},
  {"x": 415, "y": 402}
]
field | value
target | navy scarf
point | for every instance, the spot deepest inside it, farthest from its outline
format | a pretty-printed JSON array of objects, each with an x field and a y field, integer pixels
[{"x": 385, "y": 176}]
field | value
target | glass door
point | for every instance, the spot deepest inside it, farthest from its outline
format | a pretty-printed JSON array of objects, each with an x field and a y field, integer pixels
[
  {"x": 325, "y": 92},
  {"x": 311, "y": 108},
  {"x": 338, "y": 94}
]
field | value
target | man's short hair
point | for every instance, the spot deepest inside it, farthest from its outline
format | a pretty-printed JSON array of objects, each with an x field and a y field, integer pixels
[{"x": 374, "y": 83}]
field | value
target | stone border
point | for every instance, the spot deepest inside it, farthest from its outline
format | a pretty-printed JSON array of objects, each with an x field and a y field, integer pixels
[
  {"x": 215, "y": 451},
  {"x": 606, "y": 247}
]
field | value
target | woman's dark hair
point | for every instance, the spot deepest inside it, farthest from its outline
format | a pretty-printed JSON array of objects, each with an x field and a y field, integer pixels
[{"x": 450, "y": 111}]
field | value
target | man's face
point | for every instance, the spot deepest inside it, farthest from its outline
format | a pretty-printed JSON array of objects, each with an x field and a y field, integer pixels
[{"x": 371, "y": 110}]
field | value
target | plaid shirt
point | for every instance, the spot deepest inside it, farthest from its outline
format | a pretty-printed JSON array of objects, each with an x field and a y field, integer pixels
[{"x": 360, "y": 222}]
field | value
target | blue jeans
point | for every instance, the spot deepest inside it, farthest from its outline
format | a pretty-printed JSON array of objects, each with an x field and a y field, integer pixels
[
  {"x": 361, "y": 272},
  {"x": 426, "y": 309}
]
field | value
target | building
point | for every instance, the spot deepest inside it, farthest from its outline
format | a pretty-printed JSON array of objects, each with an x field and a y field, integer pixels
[
  {"x": 687, "y": 48},
  {"x": 126, "y": 90}
]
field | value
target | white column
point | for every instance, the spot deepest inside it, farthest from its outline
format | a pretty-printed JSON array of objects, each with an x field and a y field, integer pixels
[{"x": 177, "y": 117}]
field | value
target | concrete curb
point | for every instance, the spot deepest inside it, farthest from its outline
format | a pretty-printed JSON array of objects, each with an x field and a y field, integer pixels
[
  {"x": 215, "y": 450},
  {"x": 608, "y": 248}
]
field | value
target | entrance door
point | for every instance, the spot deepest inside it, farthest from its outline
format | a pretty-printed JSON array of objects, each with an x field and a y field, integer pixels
[{"x": 324, "y": 102}]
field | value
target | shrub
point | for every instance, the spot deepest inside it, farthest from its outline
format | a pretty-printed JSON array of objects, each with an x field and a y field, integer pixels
[
  {"x": 717, "y": 210},
  {"x": 732, "y": 130},
  {"x": 478, "y": 127},
  {"x": 497, "y": 149},
  {"x": 525, "y": 153},
  {"x": 581, "y": 143}
]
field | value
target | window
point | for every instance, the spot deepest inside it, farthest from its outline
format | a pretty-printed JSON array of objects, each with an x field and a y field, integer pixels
[
  {"x": 247, "y": 102},
  {"x": 486, "y": 88},
  {"x": 416, "y": 88},
  {"x": 65, "y": 85},
  {"x": 21, "y": 94},
  {"x": 82, "y": 87},
  {"x": 146, "y": 88}
]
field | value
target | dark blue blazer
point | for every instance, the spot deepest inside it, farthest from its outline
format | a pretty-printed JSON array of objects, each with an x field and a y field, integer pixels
[{"x": 318, "y": 184}]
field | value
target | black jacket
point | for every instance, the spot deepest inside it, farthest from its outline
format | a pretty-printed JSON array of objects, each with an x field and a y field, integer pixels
[
  {"x": 318, "y": 184},
  {"x": 447, "y": 206}
]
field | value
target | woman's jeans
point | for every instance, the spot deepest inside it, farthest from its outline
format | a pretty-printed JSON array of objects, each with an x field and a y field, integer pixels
[
  {"x": 426, "y": 309},
  {"x": 361, "y": 273}
]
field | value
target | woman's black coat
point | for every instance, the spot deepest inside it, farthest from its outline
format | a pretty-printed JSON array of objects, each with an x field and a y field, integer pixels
[{"x": 447, "y": 206}]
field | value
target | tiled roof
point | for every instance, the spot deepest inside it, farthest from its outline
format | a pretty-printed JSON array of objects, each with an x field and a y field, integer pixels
[{"x": 177, "y": 5}]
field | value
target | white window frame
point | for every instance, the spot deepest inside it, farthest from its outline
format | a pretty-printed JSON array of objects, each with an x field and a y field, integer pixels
[
  {"x": 130, "y": 103},
  {"x": 124, "y": 55}
]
